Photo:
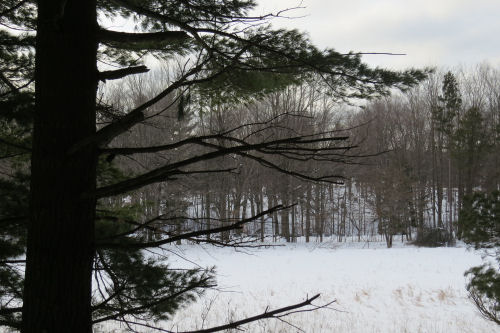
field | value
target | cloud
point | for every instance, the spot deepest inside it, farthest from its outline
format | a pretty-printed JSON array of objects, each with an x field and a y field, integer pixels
[{"x": 431, "y": 32}]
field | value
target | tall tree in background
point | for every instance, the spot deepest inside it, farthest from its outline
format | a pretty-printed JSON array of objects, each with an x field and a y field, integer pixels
[
  {"x": 228, "y": 54},
  {"x": 444, "y": 111},
  {"x": 470, "y": 143},
  {"x": 450, "y": 112}
]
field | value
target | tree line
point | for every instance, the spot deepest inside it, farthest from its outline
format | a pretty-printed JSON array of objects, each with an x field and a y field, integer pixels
[{"x": 403, "y": 163}]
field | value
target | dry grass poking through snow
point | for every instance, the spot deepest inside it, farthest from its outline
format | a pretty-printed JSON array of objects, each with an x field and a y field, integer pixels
[{"x": 378, "y": 290}]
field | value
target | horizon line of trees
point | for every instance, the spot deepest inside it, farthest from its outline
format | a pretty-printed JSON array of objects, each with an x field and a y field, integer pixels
[{"x": 404, "y": 163}]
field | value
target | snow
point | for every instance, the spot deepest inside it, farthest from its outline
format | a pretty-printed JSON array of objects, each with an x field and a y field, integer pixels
[{"x": 403, "y": 289}]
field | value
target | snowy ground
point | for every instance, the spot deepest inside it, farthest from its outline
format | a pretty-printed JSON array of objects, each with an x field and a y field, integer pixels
[{"x": 404, "y": 289}]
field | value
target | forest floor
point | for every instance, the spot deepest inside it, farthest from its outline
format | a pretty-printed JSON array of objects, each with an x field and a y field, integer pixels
[{"x": 403, "y": 289}]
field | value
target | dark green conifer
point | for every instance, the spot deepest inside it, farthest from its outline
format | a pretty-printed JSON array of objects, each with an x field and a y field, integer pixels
[{"x": 480, "y": 225}]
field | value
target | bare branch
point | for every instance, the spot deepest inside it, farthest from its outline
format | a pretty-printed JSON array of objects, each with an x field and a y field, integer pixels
[
  {"x": 201, "y": 141},
  {"x": 167, "y": 171},
  {"x": 265, "y": 315}
]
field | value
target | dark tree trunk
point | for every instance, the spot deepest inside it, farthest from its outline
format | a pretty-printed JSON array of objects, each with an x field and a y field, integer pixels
[
  {"x": 434, "y": 175},
  {"x": 322, "y": 213},
  {"x": 439, "y": 182},
  {"x": 421, "y": 208},
  {"x": 317, "y": 212},
  {"x": 285, "y": 215},
  {"x": 254, "y": 207},
  {"x": 439, "y": 206},
  {"x": 178, "y": 229},
  {"x": 388, "y": 239},
  {"x": 57, "y": 291},
  {"x": 461, "y": 193},
  {"x": 275, "y": 220},
  {"x": 308, "y": 213},
  {"x": 208, "y": 217},
  {"x": 285, "y": 224},
  {"x": 301, "y": 200},
  {"x": 332, "y": 200},
  {"x": 262, "y": 219}
]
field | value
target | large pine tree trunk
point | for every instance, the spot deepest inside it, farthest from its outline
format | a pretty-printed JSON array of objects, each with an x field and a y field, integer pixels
[{"x": 57, "y": 291}]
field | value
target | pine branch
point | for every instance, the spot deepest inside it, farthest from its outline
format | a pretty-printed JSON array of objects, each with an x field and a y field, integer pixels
[
  {"x": 135, "y": 116},
  {"x": 169, "y": 20},
  {"x": 120, "y": 73},
  {"x": 138, "y": 225},
  {"x": 106, "y": 134},
  {"x": 131, "y": 311},
  {"x": 233, "y": 226},
  {"x": 108, "y": 36},
  {"x": 9, "y": 311},
  {"x": 6, "y": 262}
]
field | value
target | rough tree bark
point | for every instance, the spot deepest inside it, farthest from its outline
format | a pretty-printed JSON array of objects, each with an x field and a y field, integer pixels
[{"x": 57, "y": 288}]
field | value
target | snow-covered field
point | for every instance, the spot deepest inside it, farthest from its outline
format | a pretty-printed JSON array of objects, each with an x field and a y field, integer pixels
[{"x": 403, "y": 289}]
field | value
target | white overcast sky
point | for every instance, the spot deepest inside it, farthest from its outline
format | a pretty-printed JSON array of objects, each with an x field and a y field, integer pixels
[{"x": 431, "y": 32}]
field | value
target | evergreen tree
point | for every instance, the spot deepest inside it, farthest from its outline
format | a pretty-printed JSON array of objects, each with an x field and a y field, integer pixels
[
  {"x": 444, "y": 115},
  {"x": 49, "y": 80},
  {"x": 451, "y": 102},
  {"x": 480, "y": 224},
  {"x": 470, "y": 143}
]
